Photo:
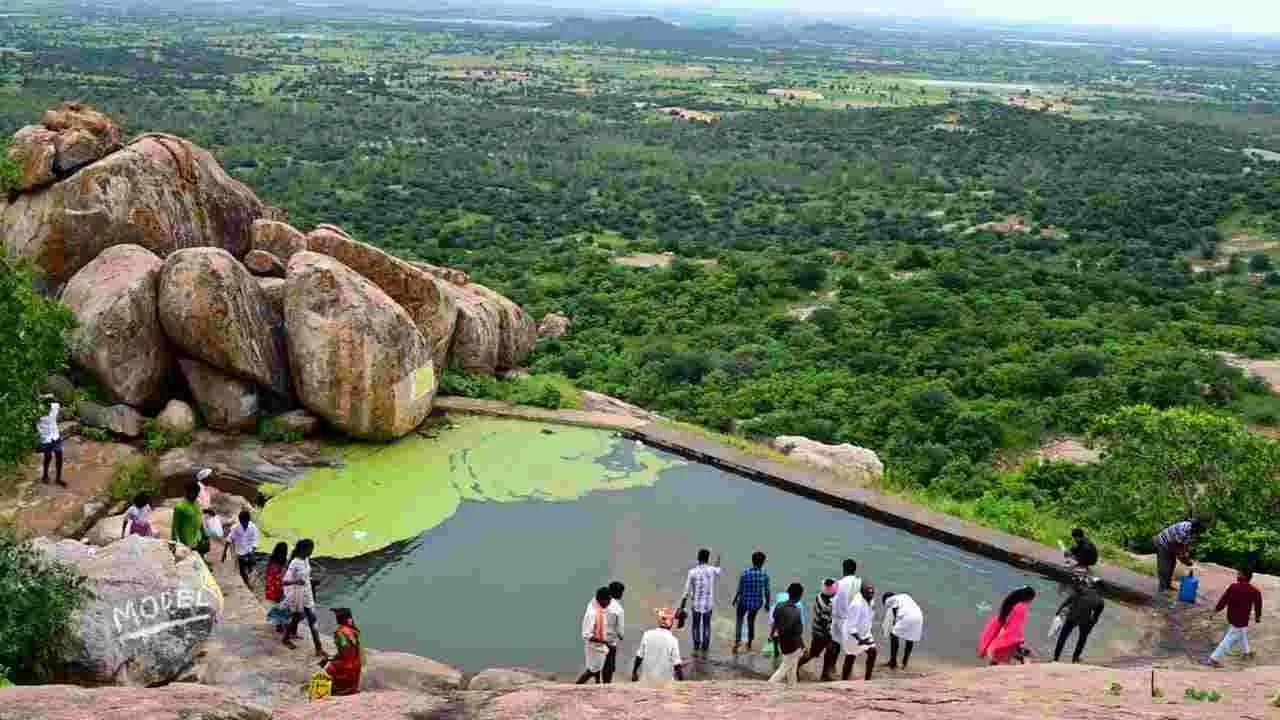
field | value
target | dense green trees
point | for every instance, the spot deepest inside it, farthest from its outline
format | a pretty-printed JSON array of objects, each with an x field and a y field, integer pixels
[{"x": 37, "y": 598}]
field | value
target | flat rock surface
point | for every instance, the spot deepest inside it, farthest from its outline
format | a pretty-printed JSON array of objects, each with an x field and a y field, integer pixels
[{"x": 181, "y": 701}]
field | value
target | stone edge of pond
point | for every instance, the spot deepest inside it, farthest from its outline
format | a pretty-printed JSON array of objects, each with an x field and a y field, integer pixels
[{"x": 827, "y": 489}]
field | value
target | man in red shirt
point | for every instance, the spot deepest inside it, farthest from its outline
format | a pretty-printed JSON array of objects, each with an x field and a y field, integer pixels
[{"x": 1240, "y": 600}]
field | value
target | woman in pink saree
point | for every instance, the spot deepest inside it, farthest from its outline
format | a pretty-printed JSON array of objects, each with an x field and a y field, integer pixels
[{"x": 1001, "y": 641}]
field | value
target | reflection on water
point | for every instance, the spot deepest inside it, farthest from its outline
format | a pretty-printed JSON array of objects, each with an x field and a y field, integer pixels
[{"x": 505, "y": 584}]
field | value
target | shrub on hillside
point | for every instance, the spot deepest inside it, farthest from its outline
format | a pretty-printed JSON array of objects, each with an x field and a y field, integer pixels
[
  {"x": 37, "y": 598},
  {"x": 10, "y": 171},
  {"x": 131, "y": 477}
]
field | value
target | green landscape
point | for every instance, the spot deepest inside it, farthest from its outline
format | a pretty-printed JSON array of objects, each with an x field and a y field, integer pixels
[{"x": 946, "y": 244}]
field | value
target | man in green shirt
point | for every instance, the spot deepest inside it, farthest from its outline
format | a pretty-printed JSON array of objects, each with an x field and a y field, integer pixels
[{"x": 188, "y": 528}]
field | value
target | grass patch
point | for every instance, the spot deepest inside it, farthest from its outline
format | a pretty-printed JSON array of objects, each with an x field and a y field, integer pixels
[
  {"x": 131, "y": 477},
  {"x": 272, "y": 431},
  {"x": 156, "y": 439},
  {"x": 96, "y": 434},
  {"x": 551, "y": 391}
]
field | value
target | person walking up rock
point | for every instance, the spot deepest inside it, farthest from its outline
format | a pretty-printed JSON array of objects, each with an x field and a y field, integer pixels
[
  {"x": 1080, "y": 612},
  {"x": 1240, "y": 600},
  {"x": 753, "y": 594},
  {"x": 820, "y": 637},
  {"x": 50, "y": 438},
  {"x": 788, "y": 631},
  {"x": 700, "y": 589}
]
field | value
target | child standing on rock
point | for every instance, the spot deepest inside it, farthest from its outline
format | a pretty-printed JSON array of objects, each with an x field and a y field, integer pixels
[{"x": 1240, "y": 600}]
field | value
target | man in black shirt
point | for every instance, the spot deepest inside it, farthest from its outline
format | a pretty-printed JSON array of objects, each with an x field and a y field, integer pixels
[
  {"x": 1083, "y": 552},
  {"x": 1083, "y": 609},
  {"x": 788, "y": 630}
]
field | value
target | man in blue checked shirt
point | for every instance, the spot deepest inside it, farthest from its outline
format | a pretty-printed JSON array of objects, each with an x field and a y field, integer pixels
[{"x": 753, "y": 594}]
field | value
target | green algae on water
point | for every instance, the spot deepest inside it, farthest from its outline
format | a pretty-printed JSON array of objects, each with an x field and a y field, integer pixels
[{"x": 382, "y": 494}]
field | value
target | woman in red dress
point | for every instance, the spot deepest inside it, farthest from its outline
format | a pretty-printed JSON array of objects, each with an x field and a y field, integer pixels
[
  {"x": 278, "y": 616},
  {"x": 344, "y": 667}
]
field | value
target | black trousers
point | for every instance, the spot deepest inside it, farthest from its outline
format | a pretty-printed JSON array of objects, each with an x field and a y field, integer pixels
[
  {"x": 1082, "y": 637},
  {"x": 610, "y": 665},
  {"x": 822, "y": 645}
]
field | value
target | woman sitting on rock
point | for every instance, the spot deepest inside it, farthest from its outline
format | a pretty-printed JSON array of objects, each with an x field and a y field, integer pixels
[
  {"x": 1001, "y": 641},
  {"x": 344, "y": 667},
  {"x": 137, "y": 519}
]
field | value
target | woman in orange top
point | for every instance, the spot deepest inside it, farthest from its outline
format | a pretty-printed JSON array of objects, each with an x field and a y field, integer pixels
[{"x": 344, "y": 667}]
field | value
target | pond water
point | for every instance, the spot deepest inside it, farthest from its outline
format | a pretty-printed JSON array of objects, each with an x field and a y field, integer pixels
[{"x": 505, "y": 583}]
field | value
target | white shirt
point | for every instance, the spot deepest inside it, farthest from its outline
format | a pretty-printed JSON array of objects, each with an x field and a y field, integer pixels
[
  {"x": 47, "y": 425},
  {"x": 660, "y": 652},
  {"x": 245, "y": 539},
  {"x": 701, "y": 586},
  {"x": 909, "y": 624},
  {"x": 612, "y": 622},
  {"x": 615, "y": 608},
  {"x": 859, "y": 620},
  {"x": 848, "y": 588},
  {"x": 297, "y": 597}
]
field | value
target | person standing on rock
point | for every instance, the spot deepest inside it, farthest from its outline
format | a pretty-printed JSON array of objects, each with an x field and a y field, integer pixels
[
  {"x": 788, "y": 631},
  {"x": 1001, "y": 641},
  {"x": 1240, "y": 600},
  {"x": 847, "y": 589},
  {"x": 700, "y": 588},
  {"x": 299, "y": 597},
  {"x": 904, "y": 620},
  {"x": 820, "y": 637},
  {"x": 599, "y": 634},
  {"x": 1173, "y": 544},
  {"x": 344, "y": 667},
  {"x": 50, "y": 438},
  {"x": 858, "y": 638},
  {"x": 1083, "y": 553},
  {"x": 659, "y": 653},
  {"x": 1080, "y": 612},
  {"x": 187, "y": 526},
  {"x": 137, "y": 519},
  {"x": 753, "y": 594},
  {"x": 616, "y": 590},
  {"x": 278, "y": 615},
  {"x": 244, "y": 536}
]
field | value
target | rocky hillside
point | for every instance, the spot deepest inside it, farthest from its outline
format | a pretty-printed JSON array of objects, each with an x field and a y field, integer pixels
[{"x": 186, "y": 285}]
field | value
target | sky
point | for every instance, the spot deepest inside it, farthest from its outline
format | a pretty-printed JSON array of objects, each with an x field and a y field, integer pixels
[{"x": 1252, "y": 16}]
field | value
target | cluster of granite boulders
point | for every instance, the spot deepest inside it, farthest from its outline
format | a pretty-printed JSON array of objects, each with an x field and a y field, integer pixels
[{"x": 186, "y": 285}]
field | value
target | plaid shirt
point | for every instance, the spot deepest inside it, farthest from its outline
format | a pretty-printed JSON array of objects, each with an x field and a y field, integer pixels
[
  {"x": 753, "y": 588},
  {"x": 701, "y": 586},
  {"x": 1177, "y": 533}
]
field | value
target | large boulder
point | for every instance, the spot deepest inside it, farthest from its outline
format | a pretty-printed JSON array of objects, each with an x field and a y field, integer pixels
[
  {"x": 177, "y": 417},
  {"x": 160, "y": 192},
  {"x": 34, "y": 149},
  {"x": 264, "y": 264},
  {"x": 386, "y": 670},
  {"x": 358, "y": 358},
  {"x": 278, "y": 238},
  {"x": 477, "y": 334},
  {"x": 119, "y": 338},
  {"x": 180, "y": 701},
  {"x": 214, "y": 310},
  {"x": 119, "y": 419},
  {"x": 505, "y": 678},
  {"x": 518, "y": 333},
  {"x": 419, "y": 293},
  {"x": 83, "y": 135},
  {"x": 227, "y": 403},
  {"x": 149, "y": 613},
  {"x": 553, "y": 325},
  {"x": 856, "y": 465}
]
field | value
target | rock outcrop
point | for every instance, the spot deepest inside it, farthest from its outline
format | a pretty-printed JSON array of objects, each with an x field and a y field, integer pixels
[
  {"x": 553, "y": 325},
  {"x": 358, "y": 359},
  {"x": 214, "y": 310},
  {"x": 278, "y": 238},
  {"x": 477, "y": 334},
  {"x": 227, "y": 403},
  {"x": 851, "y": 463},
  {"x": 148, "y": 615},
  {"x": 519, "y": 333},
  {"x": 177, "y": 417},
  {"x": 418, "y": 292},
  {"x": 119, "y": 338},
  {"x": 504, "y": 678},
  {"x": 180, "y": 701},
  {"x": 264, "y": 264},
  {"x": 160, "y": 192},
  {"x": 119, "y": 419},
  {"x": 297, "y": 422},
  {"x": 68, "y": 138}
]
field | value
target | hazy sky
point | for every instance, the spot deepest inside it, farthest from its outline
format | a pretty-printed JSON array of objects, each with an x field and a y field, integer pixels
[{"x": 1235, "y": 15}]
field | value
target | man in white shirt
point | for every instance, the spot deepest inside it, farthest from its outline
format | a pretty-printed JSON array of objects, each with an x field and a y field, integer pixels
[
  {"x": 616, "y": 589},
  {"x": 847, "y": 588},
  {"x": 700, "y": 587},
  {"x": 50, "y": 438},
  {"x": 858, "y": 639},
  {"x": 659, "y": 653},
  {"x": 601, "y": 632},
  {"x": 245, "y": 537}
]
